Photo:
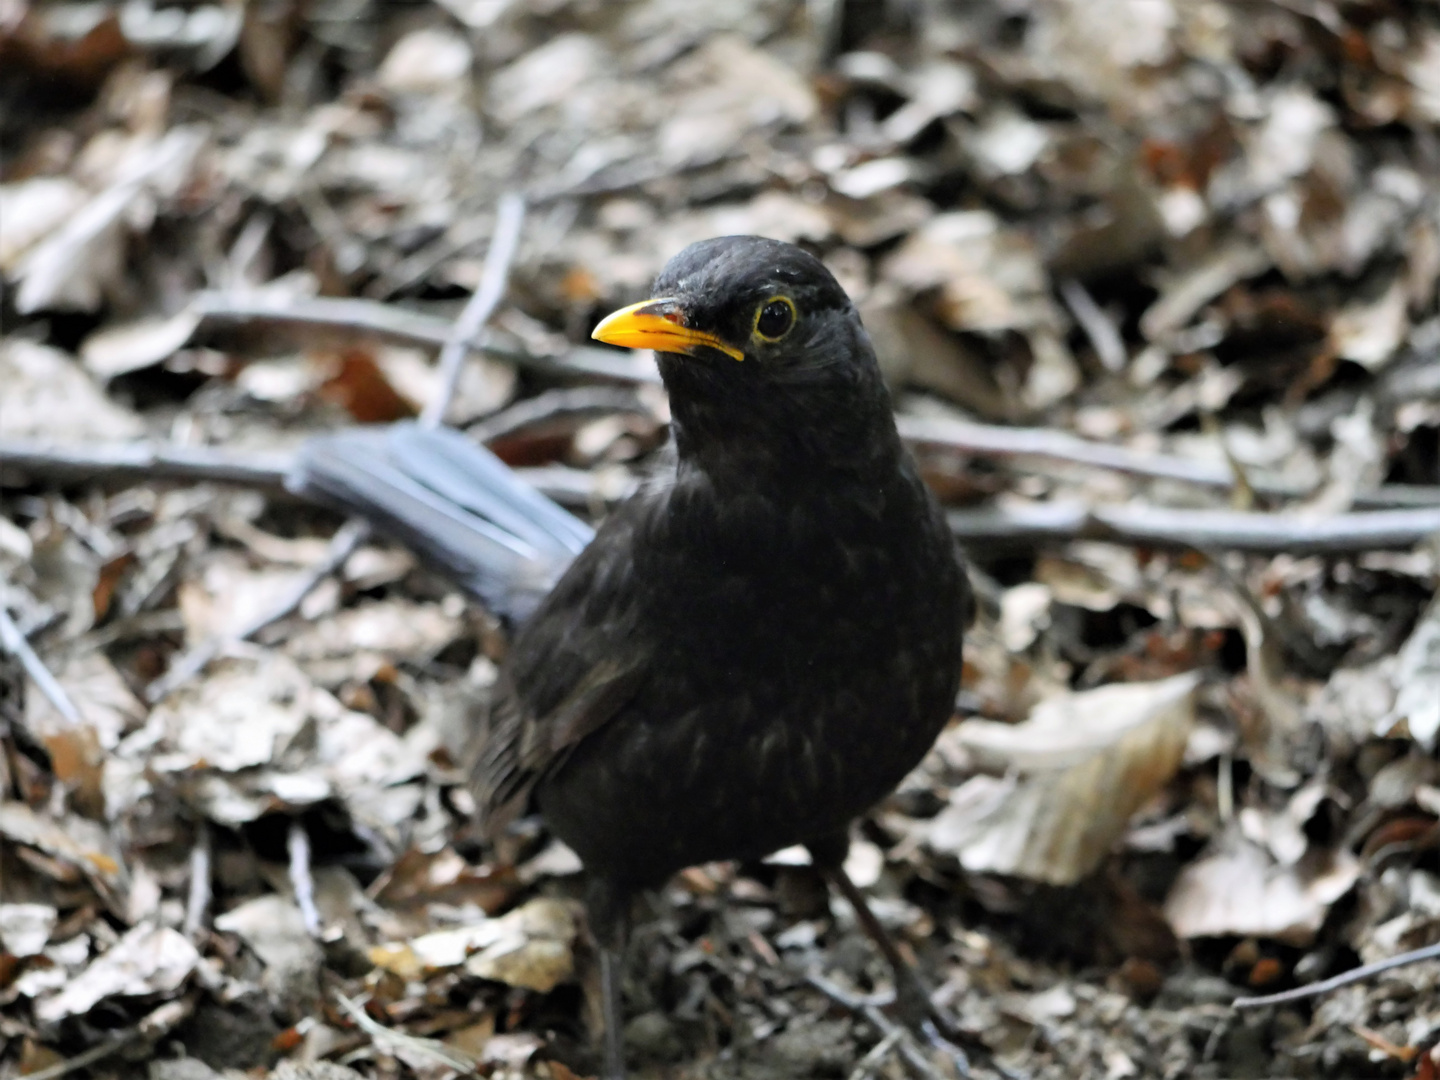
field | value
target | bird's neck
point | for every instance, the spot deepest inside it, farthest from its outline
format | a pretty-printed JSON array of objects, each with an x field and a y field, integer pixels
[{"x": 787, "y": 438}]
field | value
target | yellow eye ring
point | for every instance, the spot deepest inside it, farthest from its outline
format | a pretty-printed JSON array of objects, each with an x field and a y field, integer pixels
[{"x": 779, "y": 316}]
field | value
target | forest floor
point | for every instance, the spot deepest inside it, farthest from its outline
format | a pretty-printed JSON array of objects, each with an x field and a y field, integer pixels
[{"x": 1154, "y": 285}]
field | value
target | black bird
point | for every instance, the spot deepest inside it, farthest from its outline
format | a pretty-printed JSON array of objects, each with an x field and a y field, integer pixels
[{"x": 757, "y": 646}]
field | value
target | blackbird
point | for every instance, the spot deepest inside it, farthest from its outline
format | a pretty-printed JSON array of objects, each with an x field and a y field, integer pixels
[{"x": 754, "y": 648}]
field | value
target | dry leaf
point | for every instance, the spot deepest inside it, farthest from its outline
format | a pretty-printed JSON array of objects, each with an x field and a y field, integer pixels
[
  {"x": 1416, "y": 677},
  {"x": 147, "y": 960},
  {"x": 1078, "y": 768},
  {"x": 989, "y": 276},
  {"x": 48, "y": 397},
  {"x": 76, "y": 265},
  {"x": 25, "y": 928},
  {"x": 1240, "y": 890},
  {"x": 530, "y": 947}
]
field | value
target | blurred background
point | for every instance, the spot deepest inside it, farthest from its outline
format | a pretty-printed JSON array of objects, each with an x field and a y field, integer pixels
[{"x": 1119, "y": 258}]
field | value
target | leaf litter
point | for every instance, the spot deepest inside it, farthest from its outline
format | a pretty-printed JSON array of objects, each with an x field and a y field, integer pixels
[{"x": 1174, "y": 777}]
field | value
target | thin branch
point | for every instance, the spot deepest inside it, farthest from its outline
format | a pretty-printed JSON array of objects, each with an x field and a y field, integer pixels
[
  {"x": 509, "y": 217},
  {"x": 1335, "y": 982},
  {"x": 13, "y": 642},
  {"x": 392, "y": 1041},
  {"x": 1104, "y": 338},
  {"x": 152, "y": 1026},
  {"x": 353, "y": 316},
  {"x": 1058, "y": 447},
  {"x": 905, "y": 1041},
  {"x": 145, "y": 461},
  {"x": 561, "y": 403},
  {"x": 342, "y": 545},
  {"x": 89, "y": 1057},
  {"x": 1022, "y": 525},
  {"x": 197, "y": 900},
  {"x": 1234, "y": 530},
  {"x": 297, "y": 842}
]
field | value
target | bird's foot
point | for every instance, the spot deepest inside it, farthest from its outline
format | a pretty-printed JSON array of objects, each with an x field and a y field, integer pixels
[{"x": 920, "y": 1036}]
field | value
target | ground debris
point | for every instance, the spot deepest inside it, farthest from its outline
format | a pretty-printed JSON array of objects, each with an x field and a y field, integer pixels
[{"x": 1191, "y": 266}]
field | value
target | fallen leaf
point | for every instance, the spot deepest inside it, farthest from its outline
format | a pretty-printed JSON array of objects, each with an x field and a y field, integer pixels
[
  {"x": 25, "y": 928},
  {"x": 1076, "y": 770},
  {"x": 1239, "y": 889},
  {"x": 147, "y": 960},
  {"x": 530, "y": 947}
]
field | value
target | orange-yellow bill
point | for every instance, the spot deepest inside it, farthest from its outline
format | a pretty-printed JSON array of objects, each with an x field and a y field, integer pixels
[{"x": 656, "y": 324}]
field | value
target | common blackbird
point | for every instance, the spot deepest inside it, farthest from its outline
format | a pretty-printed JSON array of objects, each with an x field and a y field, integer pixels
[{"x": 760, "y": 643}]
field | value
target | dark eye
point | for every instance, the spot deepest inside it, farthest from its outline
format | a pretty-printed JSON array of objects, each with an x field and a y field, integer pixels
[{"x": 774, "y": 319}]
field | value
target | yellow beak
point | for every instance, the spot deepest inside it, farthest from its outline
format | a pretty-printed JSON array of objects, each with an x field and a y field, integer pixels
[{"x": 657, "y": 324}]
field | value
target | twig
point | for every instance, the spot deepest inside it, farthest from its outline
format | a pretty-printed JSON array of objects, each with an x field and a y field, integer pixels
[
  {"x": 904, "y": 1041},
  {"x": 396, "y": 1040},
  {"x": 370, "y": 318},
  {"x": 87, "y": 1058},
  {"x": 1020, "y": 525},
  {"x": 342, "y": 545},
  {"x": 297, "y": 842},
  {"x": 144, "y": 461},
  {"x": 867, "y": 1065},
  {"x": 151, "y": 1026},
  {"x": 1058, "y": 447},
  {"x": 565, "y": 401},
  {"x": 1234, "y": 530},
  {"x": 1335, "y": 982},
  {"x": 197, "y": 900},
  {"x": 1104, "y": 338},
  {"x": 509, "y": 216},
  {"x": 13, "y": 642}
]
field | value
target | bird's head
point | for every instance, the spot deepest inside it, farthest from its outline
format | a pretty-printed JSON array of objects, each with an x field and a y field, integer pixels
[
  {"x": 738, "y": 298},
  {"x": 751, "y": 333}
]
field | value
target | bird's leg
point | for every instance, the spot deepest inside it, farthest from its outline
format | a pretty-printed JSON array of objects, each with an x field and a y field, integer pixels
[
  {"x": 608, "y": 906},
  {"x": 912, "y": 1000},
  {"x": 612, "y": 962}
]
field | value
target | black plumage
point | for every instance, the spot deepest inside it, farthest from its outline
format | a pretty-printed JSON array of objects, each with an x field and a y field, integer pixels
[{"x": 759, "y": 644}]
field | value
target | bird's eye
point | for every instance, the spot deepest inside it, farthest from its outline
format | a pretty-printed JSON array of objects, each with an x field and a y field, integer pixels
[{"x": 775, "y": 318}]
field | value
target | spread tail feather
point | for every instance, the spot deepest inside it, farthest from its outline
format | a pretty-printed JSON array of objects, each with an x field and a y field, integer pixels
[{"x": 455, "y": 504}]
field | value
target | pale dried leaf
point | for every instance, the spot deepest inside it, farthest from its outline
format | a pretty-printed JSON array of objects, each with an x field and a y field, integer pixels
[
  {"x": 1240, "y": 889},
  {"x": 115, "y": 350},
  {"x": 32, "y": 209},
  {"x": 273, "y": 928},
  {"x": 426, "y": 61},
  {"x": 83, "y": 844},
  {"x": 48, "y": 397},
  {"x": 1370, "y": 332},
  {"x": 242, "y": 715},
  {"x": 99, "y": 693},
  {"x": 989, "y": 276},
  {"x": 25, "y": 928},
  {"x": 1080, "y": 767},
  {"x": 530, "y": 947},
  {"x": 74, "y": 266},
  {"x": 147, "y": 960},
  {"x": 1417, "y": 684}
]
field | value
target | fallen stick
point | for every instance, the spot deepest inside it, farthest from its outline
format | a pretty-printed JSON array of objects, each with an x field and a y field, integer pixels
[
  {"x": 370, "y": 318},
  {"x": 13, "y": 642},
  {"x": 1335, "y": 982},
  {"x": 1026, "y": 525},
  {"x": 1234, "y": 530},
  {"x": 482, "y": 305}
]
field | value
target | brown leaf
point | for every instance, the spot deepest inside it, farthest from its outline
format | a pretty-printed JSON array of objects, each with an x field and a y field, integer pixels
[{"x": 356, "y": 383}]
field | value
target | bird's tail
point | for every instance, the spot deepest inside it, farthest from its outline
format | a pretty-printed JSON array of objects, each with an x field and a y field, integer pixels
[{"x": 455, "y": 504}]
